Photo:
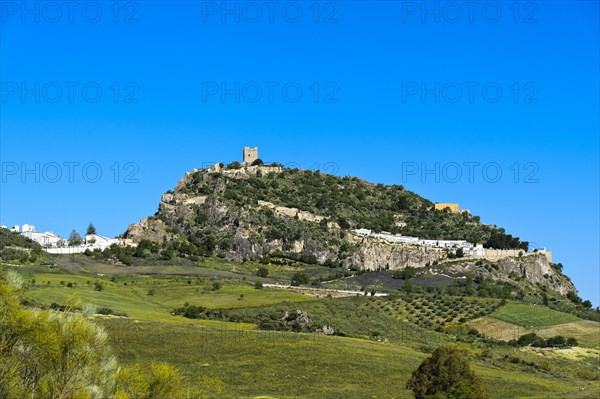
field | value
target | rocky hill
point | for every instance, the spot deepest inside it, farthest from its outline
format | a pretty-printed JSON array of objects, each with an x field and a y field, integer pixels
[{"x": 270, "y": 214}]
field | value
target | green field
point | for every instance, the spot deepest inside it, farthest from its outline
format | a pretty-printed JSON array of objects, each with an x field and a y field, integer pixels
[
  {"x": 513, "y": 320},
  {"x": 283, "y": 365},
  {"x": 152, "y": 298},
  {"x": 527, "y": 315},
  {"x": 379, "y": 341}
]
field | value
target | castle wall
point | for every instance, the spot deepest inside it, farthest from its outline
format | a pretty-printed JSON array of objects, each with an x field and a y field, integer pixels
[
  {"x": 497, "y": 254},
  {"x": 454, "y": 208}
]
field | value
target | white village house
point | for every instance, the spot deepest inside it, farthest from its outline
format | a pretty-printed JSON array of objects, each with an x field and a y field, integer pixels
[
  {"x": 46, "y": 240},
  {"x": 56, "y": 244},
  {"x": 96, "y": 241}
]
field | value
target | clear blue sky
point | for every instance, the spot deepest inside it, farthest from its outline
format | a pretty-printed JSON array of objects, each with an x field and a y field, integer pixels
[{"x": 375, "y": 67}]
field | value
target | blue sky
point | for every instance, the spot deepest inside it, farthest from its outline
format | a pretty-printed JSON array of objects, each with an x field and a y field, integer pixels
[{"x": 390, "y": 91}]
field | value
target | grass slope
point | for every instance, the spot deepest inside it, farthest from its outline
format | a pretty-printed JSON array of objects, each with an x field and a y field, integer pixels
[
  {"x": 254, "y": 363},
  {"x": 283, "y": 365},
  {"x": 131, "y": 295},
  {"x": 527, "y": 315},
  {"x": 511, "y": 321}
]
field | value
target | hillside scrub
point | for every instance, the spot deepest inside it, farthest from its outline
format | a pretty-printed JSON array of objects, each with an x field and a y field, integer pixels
[
  {"x": 16, "y": 248},
  {"x": 64, "y": 355}
]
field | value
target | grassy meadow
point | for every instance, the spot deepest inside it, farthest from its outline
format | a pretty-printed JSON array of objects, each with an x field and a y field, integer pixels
[
  {"x": 256, "y": 364},
  {"x": 515, "y": 319},
  {"x": 378, "y": 341}
]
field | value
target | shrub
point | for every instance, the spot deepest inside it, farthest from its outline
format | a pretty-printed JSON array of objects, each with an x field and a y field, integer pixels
[
  {"x": 262, "y": 272},
  {"x": 300, "y": 278},
  {"x": 408, "y": 273},
  {"x": 446, "y": 374}
]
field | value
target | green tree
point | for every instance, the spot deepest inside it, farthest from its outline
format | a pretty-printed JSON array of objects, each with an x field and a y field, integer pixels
[
  {"x": 262, "y": 272},
  {"x": 573, "y": 297},
  {"x": 408, "y": 286},
  {"x": 90, "y": 229},
  {"x": 408, "y": 273},
  {"x": 446, "y": 375},
  {"x": 75, "y": 239},
  {"x": 300, "y": 278}
]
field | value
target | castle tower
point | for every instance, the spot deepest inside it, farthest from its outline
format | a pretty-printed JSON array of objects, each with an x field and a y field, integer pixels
[{"x": 250, "y": 155}]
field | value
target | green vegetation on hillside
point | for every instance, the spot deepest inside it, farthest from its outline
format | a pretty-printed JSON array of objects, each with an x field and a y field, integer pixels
[
  {"x": 352, "y": 203},
  {"x": 64, "y": 355},
  {"x": 250, "y": 342},
  {"x": 233, "y": 217},
  {"x": 16, "y": 248}
]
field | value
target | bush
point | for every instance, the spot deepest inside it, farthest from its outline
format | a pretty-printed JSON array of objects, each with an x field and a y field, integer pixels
[
  {"x": 446, "y": 374},
  {"x": 532, "y": 339},
  {"x": 308, "y": 259},
  {"x": 65, "y": 353},
  {"x": 300, "y": 278},
  {"x": 408, "y": 273},
  {"x": 262, "y": 272},
  {"x": 234, "y": 165}
]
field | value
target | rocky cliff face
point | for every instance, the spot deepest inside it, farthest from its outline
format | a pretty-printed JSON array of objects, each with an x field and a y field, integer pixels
[
  {"x": 533, "y": 268},
  {"x": 373, "y": 255},
  {"x": 537, "y": 270},
  {"x": 192, "y": 213}
]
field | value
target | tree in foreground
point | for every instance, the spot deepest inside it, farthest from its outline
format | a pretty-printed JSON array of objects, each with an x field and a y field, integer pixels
[
  {"x": 65, "y": 355},
  {"x": 446, "y": 375},
  {"x": 47, "y": 354}
]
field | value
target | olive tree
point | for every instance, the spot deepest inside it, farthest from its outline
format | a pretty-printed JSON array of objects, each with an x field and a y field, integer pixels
[{"x": 446, "y": 375}]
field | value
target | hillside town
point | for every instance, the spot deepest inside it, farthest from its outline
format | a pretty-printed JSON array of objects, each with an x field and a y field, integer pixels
[
  {"x": 469, "y": 249},
  {"x": 55, "y": 244}
]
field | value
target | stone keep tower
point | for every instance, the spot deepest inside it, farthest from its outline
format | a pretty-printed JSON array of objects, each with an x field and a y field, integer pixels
[{"x": 250, "y": 155}]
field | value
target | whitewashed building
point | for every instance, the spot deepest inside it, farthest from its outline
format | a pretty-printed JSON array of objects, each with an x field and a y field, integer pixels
[
  {"x": 46, "y": 240},
  {"x": 397, "y": 238},
  {"x": 96, "y": 241},
  {"x": 27, "y": 227}
]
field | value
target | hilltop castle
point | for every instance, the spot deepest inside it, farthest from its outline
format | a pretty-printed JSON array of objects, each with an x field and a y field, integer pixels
[{"x": 250, "y": 155}]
